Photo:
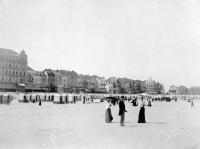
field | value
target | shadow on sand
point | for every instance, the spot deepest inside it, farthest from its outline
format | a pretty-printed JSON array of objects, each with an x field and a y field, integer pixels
[
  {"x": 146, "y": 124},
  {"x": 159, "y": 123},
  {"x": 133, "y": 126},
  {"x": 124, "y": 122}
]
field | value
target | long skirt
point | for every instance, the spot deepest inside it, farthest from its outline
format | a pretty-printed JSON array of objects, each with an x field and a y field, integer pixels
[
  {"x": 122, "y": 117},
  {"x": 141, "y": 117},
  {"x": 109, "y": 117}
]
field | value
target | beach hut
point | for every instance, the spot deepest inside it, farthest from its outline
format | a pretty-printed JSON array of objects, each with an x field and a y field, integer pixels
[
  {"x": 70, "y": 98},
  {"x": 21, "y": 97},
  {"x": 56, "y": 98},
  {"x": 63, "y": 98},
  {"x": 42, "y": 96},
  {"x": 51, "y": 97},
  {"x": 36, "y": 97},
  {"x": 29, "y": 97},
  {"x": 33, "y": 98},
  {"x": 5, "y": 98},
  {"x": 25, "y": 100},
  {"x": 48, "y": 97}
]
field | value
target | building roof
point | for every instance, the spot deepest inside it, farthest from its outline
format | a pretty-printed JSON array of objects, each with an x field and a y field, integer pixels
[
  {"x": 30, "y": 69},
  {"x": 7, "y": 51}
]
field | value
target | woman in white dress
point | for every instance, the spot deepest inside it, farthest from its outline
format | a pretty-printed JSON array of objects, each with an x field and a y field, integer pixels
[{"x": 108, "y": 114}]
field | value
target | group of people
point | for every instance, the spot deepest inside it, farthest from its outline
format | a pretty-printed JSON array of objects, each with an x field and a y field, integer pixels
[{"x": 122, "y": 111}]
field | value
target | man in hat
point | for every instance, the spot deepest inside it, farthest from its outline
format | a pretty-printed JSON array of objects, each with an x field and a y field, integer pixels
[{"x": 122, "y": 110}]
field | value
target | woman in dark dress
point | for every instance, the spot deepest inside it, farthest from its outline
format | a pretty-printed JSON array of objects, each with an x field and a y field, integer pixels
[
  {"x": 108, "y": 114},
  {"x": 141, "y": 117},
  {"x": 149, "y": 103},
  {"x": 134, "y": 102}
]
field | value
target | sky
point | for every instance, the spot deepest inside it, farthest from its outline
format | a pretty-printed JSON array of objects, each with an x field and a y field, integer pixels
[{"x": 136, "y": 39}]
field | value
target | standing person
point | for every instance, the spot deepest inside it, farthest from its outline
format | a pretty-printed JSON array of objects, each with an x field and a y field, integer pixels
[
  {"x": 149, "y": 103},
  {"x": 108, "y": 113},
  {"x": 83, "y": 99},
  {"x": 192, "y": 104},
  {"x": 141, "y": 117},
  {"x": 74, "y": 100},
  {"x": 40, "y": 103},
  {"x": 122, "y": 110}
]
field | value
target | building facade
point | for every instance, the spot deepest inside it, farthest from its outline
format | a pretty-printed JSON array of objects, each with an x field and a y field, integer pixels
[
  {"x": 111, "y": 85},
  {"x": 93, "y": 84},
  {"x": 71, "y": 80},
  {"x": 172, "y": 89},
  {"x": 159, "y": 88},
  {"x": 195, "y": 90},
  {"x": 64, "y": 83},
  {"x": 125, "y": 85},
  {"x": 182, "y": 90},
  {"x": 137, "y": 87},
  {"x": 57, "y": 81},
  {"x": 153, "y": 87},
  {"x": 36, "y": 81},
  {"x": 13, "y": 70},
  {"x": 150, "y": 85},
  {"x": 101, "y": 88},
  {"x": 54, "y": 80}
]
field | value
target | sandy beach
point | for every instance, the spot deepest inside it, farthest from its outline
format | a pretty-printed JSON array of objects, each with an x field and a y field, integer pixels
[{"x": 170, "y": 125}]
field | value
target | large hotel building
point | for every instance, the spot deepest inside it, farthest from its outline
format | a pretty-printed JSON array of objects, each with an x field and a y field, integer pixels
[{"x": 13, "y": 70}]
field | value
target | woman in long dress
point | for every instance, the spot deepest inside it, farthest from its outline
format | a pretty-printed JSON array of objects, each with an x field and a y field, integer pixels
[
  {"x": 141, "y": 117},
  {"x": 108, "y": 114},
  {"x": 149, "y": 103}
]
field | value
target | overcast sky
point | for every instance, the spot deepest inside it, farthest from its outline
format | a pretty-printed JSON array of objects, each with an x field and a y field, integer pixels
[{"x": 122, "y": 38}]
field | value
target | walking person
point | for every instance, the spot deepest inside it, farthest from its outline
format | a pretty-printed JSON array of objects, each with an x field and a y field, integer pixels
[
  {"x": 122, "y": 110},
  {"x": 108, "y": 114},
  {"x": 141, "y": 116}
]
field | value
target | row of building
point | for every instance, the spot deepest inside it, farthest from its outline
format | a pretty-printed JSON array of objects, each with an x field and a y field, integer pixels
[
  {"x": 182, "y": 90},
  {"x": 15, "y": 74}
]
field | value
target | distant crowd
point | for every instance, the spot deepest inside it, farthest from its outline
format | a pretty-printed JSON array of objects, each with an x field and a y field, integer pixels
[{"x": 6, "y": 98}]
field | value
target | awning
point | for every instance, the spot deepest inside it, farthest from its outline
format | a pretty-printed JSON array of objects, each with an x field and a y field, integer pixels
[{"x": 21, "y": 84}]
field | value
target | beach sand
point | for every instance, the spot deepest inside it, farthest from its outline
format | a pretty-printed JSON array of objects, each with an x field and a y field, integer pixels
[{"x": 170, "y": 125}]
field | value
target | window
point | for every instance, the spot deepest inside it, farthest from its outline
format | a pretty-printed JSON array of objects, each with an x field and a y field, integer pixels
[{"x": 9, "y": 79}]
